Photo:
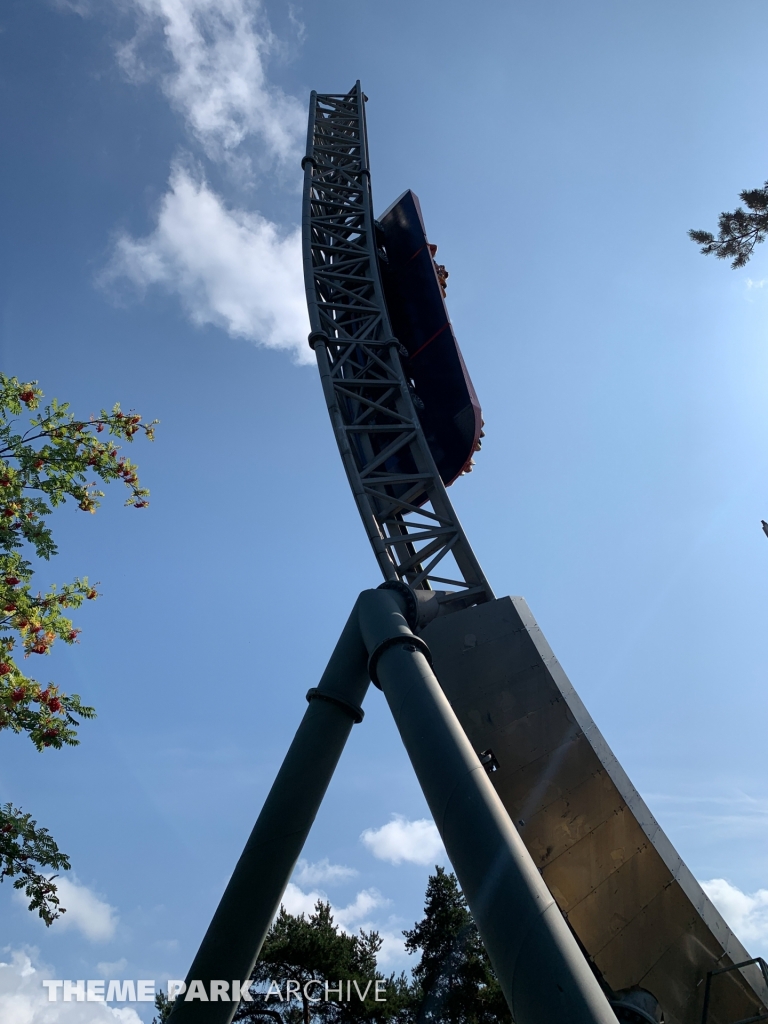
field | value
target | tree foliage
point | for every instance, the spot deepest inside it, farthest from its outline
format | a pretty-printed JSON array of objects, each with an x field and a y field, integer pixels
[
  {"x": 453, "y": 982},
  {"x": 164, "y": 1007},
  {"x": 454, "y": 978},
  {"x": 42, "y": 466},
  {"x": 314, "y": 949},
  {"x": 740, "y": 231}
]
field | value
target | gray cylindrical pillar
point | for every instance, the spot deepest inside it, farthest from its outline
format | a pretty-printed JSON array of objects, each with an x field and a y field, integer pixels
[
  {"x": 236, "y": 933},
  {"x": 543, "y": 974}
]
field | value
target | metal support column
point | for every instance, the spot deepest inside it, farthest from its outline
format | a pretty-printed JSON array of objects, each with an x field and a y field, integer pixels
[
  {"x": 542, "y": 972},
  {"x": 235, "y": 935}
]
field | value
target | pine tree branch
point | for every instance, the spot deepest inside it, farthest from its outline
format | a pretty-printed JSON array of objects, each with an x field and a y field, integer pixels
[{"x": 739, "y": 231}]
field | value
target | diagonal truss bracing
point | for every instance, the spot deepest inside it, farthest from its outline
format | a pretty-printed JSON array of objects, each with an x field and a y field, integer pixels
[{"x": 401, "y": 498}]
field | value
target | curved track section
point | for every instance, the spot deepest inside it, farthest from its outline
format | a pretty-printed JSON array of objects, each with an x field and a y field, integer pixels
[{"x": 407, "y": 514}]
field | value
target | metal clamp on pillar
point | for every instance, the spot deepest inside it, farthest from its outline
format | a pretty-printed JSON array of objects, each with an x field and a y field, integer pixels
[
  {"x": 410, "y": 643},
  {"x": 315, "y": 336},
  {"x": 411, "y": 610},
  {"x": 355, "y": 713}
]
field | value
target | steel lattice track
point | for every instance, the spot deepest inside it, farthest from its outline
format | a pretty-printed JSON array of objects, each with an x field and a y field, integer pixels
[{"x": 403, "y": 503}]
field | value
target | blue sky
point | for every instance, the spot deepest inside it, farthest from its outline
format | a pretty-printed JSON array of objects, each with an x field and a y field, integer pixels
[{"x": 150, "y": 192}]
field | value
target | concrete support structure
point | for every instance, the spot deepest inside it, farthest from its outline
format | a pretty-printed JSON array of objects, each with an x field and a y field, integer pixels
[{"x": 543, "y": 974}]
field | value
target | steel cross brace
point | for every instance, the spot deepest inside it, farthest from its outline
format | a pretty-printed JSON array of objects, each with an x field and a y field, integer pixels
[{"x": 401, "y": 498}]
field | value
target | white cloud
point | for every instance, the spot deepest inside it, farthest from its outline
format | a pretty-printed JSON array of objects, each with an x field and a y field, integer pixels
[
  {"x": 322, "y": 871},
  {"x": 353, "y": 917},
  {"x": 746, "y": 914},
  {"x": 392, "y": 950},
  {"x": 349, "y": 918},
  {"x": 417, "y": 842},
  {"x": 23, "y": 1000},
  {"x": 229, "y": 267},
  {"x": 754, "y": 290},
  {"x": 86, "y": 911},
  {"x": 296, "y": 901},
  {"x": 218, "y": 49},
  {"x": 111, "y": 968},
  {"x": 356, "y": 914},
  {"x": 82, "y": 7}
]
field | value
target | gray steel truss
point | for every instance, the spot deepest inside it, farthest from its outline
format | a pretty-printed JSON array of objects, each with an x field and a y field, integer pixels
[{"x": 401, "y": 498}]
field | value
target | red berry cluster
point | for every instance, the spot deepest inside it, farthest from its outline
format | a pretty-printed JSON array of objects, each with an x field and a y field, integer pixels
[
  {"x": 132, "y": 422},
  {"x": 126, "y": 473},
  {"x": 49, "y": 735},
  {"x": 52, "y": 702}
]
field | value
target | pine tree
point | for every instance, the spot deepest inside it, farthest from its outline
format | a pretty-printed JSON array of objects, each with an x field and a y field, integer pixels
[
  {"x": 454, "y": 977},
  {"x": 314, "y": 949},
  {"x": 738, "y": 232},
  {"x": 453, "y": 983}
]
